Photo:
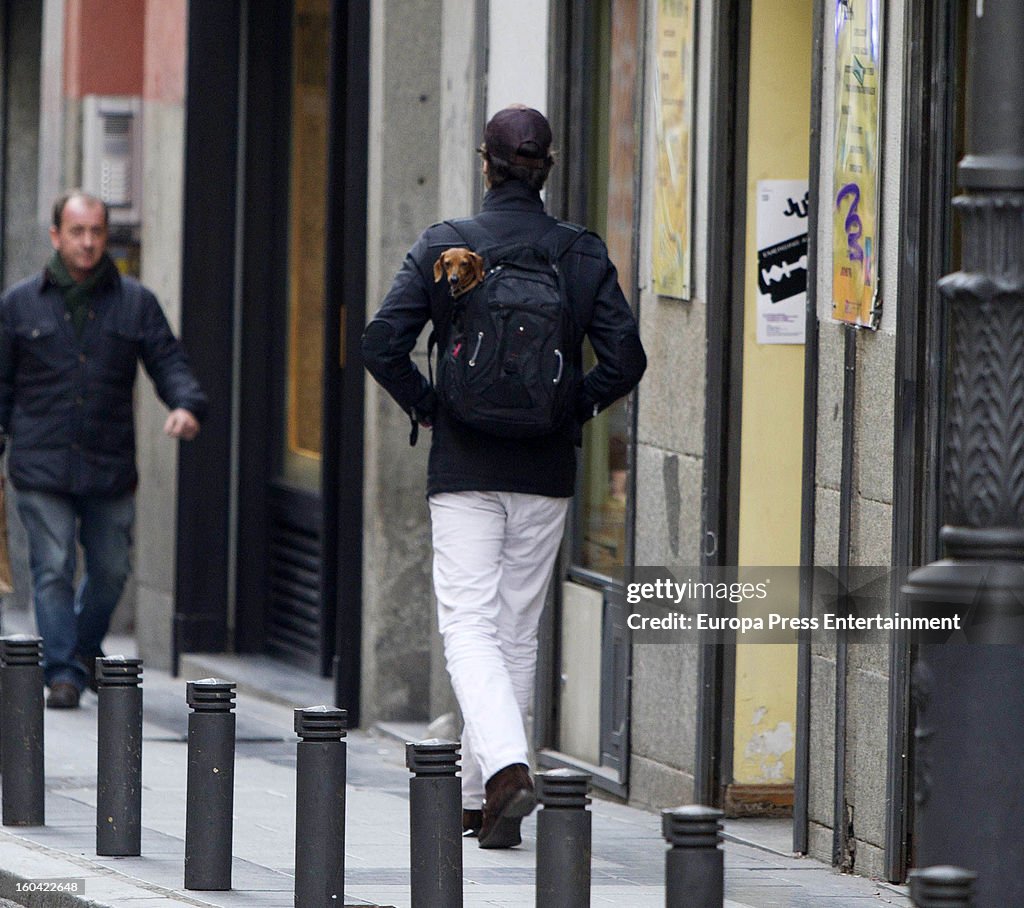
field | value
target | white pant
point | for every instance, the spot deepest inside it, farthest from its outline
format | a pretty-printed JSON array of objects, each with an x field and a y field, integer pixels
[{"x": 493, "y": 557}]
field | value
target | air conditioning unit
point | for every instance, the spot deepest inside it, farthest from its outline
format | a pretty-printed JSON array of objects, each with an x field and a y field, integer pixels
[{"x": 112, "y": 154}]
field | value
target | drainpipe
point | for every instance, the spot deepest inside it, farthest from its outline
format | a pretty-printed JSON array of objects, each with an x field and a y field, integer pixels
[
  {"x": 841, "y": 854},
  {"x": 969, "y": 685}
]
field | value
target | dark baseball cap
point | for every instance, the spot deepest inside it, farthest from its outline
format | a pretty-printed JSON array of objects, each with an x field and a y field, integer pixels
[{"x": 519, "y": 135}]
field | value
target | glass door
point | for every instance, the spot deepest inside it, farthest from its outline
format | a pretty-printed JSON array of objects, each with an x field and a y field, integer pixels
[{"x": 294, "y": 617}]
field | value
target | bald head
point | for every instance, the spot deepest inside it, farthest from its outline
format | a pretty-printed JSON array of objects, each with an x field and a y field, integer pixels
[
  {"x": 79, "y": 233},
  {"x": 80, "y": 196}
]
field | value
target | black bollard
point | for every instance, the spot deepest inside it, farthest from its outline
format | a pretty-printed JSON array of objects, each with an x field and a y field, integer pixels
[
  {"x": 942, "y": 887},
  {"x": 694, "y": 870},
  {"x": 435, "y": 824},
  {"x": 320, "y": 807},
  {"x": 119, "y": 756},
  {"x": 210, "y": 784},
  {"x": 563, "y": 839},
  {"x": 21, "y": 737}
]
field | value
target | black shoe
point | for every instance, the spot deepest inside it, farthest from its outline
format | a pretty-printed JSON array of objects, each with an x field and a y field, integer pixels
[
  {"x": 509, "y": 798},
  {"x": 63, "y": 695},
  {"x": 472, "y": 821}
]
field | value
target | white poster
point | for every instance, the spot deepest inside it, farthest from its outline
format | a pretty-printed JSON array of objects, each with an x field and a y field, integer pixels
[{"x": 781, "y": 261}]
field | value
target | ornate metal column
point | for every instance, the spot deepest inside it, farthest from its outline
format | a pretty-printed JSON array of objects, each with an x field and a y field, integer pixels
[{"x": 969, "y": 690}]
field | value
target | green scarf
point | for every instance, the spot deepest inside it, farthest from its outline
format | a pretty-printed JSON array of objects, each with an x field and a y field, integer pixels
[{"x": 78, "y": 295}]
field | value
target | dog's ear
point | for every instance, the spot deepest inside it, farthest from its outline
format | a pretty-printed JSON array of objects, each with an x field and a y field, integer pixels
[
  {"x": 478, "y": 268},
  {"x": 438, "y": 268}
]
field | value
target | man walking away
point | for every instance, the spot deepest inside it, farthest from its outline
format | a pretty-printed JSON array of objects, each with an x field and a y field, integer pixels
[
  {"x": 70, "y": 340},
  {"x": 506, "y": 414}
]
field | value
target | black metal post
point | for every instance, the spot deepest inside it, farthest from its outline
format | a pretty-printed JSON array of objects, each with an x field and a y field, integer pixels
[
  {"x": 694, "y": 865},
  {"x": 320, "y": 807},
  {"x": 942, "y": 887},
  {"x": 970, "y": 698},
  {"x": 563, "y": 839},
  {"x": 119, "y": 756},
  {"x": 209, "y": 797},
  {"x": 435, "y": 824},
  {"x": 21, "y": 737}
]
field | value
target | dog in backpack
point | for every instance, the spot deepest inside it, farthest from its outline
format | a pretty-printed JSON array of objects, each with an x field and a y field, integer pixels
[{"x": 462, "y": 267}]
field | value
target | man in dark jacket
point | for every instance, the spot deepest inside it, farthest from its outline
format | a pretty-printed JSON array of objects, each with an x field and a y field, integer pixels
[
  {"x": 497, "y": 504},
  {"x": 70, "y": 341}
]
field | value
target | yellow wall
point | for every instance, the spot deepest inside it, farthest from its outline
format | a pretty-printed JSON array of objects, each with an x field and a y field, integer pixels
[{"x": 772, "y": 414}]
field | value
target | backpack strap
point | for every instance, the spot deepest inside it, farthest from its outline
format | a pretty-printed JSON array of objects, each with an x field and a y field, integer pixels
[
  {"x": 431, "y": 346},
  {"x": 476, "y": 237},
  {"x": 560, "y": 239},
  {"x": 557, "y": 241}
]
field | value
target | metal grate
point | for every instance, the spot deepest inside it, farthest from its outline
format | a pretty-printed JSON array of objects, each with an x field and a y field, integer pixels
[{"x": 293, "y": 599}]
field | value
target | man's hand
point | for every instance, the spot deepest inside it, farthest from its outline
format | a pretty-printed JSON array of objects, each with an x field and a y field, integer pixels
[{"x": 181, "y": 424}]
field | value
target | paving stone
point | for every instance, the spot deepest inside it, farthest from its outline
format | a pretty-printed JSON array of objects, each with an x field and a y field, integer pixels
[{"x": 628, "y": 851}]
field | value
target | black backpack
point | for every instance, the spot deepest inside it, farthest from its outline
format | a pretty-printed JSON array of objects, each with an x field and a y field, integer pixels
[{"x": 509, "y": 363}]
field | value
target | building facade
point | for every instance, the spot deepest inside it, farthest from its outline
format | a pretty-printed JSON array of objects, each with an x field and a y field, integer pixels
[{"x": 288, "y": 155}]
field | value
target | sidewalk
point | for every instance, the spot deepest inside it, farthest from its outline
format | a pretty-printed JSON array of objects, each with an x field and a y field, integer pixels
[{"x": 628, "y": 851}]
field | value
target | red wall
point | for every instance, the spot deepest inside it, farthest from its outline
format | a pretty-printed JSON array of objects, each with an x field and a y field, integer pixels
[
  {"x": 103, "y": 47},
  {"x": 165, "y": 50}
]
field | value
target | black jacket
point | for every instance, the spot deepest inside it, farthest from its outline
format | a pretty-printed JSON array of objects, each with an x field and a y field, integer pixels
[
  {"x": 65, "y": 401},
  {"x": 462, "y": 459}
]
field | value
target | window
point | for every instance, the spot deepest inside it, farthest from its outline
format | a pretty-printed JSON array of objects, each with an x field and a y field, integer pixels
[
  {"x": 306, "y": 244},
  {"x": 601, "y": 505}
]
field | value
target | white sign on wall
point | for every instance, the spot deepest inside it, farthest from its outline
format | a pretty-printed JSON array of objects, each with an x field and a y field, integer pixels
[{"x": 781, "y": 261}]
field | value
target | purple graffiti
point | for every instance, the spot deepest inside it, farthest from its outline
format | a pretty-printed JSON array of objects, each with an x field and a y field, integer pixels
[{"x": 852, "y": 223}]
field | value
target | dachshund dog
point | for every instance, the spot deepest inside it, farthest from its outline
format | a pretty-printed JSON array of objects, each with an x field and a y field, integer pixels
[{"x": 463, "y": 268}]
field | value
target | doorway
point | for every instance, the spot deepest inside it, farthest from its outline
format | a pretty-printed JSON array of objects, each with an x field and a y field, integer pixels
[
  {"x": 294, "y": 612},
  {"x": 285, "y": 195},
  {"x": 760, "y": 143},
  {"x": 771, "y": 420}
]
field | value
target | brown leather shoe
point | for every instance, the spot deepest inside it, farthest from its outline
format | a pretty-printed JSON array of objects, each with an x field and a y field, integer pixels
[
  {"x": 472, "y": 821},
  {"x": 509, "y": 798},
  {"x": 63, "y": 695}
]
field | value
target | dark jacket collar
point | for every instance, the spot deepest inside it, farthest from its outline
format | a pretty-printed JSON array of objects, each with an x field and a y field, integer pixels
[
  {"x": 512, "y": 195},
  {"x": 111, "y": 278}
]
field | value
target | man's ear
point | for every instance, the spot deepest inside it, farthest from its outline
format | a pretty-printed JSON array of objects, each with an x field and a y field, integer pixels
[{"x": 438, "y": 268}]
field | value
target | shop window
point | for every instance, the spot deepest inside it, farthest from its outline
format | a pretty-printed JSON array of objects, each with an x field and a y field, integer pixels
[
  {"x": 602, "y": 518},
  {"x": 602, "y": 155},
  {"x": 600, "y": 538},
  {"x": 307, "y": 221}
]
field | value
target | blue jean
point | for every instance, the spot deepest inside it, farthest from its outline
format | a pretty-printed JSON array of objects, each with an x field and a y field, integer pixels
[{"x": 74, "y": 622}]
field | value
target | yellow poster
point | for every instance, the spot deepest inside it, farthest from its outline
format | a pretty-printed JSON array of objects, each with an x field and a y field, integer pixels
[
  {"x": 673, "y": 106},
  {"x": 855, "y": 296}
]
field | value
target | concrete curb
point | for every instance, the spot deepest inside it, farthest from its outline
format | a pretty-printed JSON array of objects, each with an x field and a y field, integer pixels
[{"x": 38, "y": 862}]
